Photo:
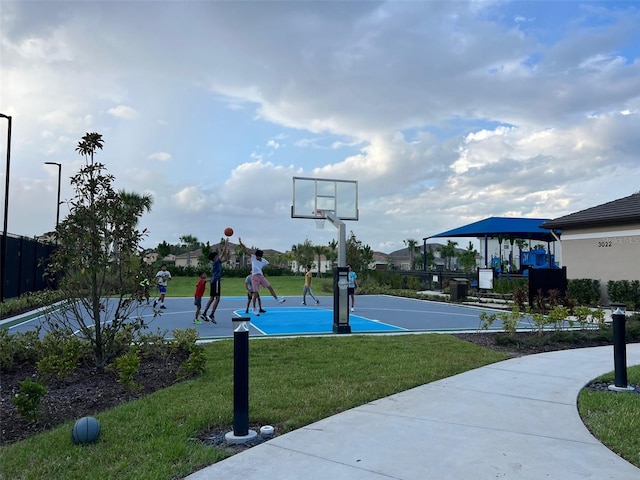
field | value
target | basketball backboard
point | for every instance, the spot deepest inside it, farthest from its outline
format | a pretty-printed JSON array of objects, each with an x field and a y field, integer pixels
[{"x": 313, "y": 197}]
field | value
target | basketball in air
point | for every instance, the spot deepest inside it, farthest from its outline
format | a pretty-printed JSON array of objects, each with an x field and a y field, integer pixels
[
  {"x": 228, "y": 232},
  {"x": 85, "y": 430}
]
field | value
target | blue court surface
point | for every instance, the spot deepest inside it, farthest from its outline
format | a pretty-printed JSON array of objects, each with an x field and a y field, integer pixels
[{"x": 373, "y": 314}]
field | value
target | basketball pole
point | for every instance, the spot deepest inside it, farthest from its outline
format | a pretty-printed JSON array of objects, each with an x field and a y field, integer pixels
[
  {"x": 340, "y": 279},
  {"x": 342, "y": 238}
]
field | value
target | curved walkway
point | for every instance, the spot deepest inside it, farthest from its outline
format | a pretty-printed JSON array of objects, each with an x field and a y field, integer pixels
[{"x": 516, "y": 419}]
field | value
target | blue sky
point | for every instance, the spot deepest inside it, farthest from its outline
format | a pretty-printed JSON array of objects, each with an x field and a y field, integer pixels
[{"x": 444, "y": 112}]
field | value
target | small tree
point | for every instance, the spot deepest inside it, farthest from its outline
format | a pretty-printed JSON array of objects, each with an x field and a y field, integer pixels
[
  {"x": 468, "y": 258},
  {"x": 332, "y": 252},
  {"x": 190, "y": 242},
  {"x": 319, "y": 250},
  {"x": 303, "y": 254},
  {"x": 163, "y": 249},
  {"x": 429, "y": 261},
  {"x": 412, "y": 247},
  {"x": 98, "y": 259},
  {"x": 359, "y": 256},
  {"x": 447, "y": 252}
]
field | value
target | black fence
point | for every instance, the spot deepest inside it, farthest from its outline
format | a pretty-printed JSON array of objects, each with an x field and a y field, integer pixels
[
  {"x": 24, "y": 266},
  {"x": 546, "y": 279}
]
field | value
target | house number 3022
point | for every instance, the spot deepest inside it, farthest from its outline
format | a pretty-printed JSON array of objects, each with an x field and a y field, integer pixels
[{"x": 605, "y": 243}]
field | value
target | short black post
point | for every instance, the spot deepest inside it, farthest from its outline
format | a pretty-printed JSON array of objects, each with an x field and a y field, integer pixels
[
  {"x": 619, "y": 348},
  {"x": 241, "y": 380}
]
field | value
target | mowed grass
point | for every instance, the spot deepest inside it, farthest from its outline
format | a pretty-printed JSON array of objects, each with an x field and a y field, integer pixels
[
  {"x": 614, "y": 418},
  {"x": 293, "y": 382},
  {"x": 284, "y": 285}
]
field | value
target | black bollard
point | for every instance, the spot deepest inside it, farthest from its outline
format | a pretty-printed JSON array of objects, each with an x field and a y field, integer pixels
[
  {"x": 619, "y": 348},
  {"x": 241, "y": 379}
]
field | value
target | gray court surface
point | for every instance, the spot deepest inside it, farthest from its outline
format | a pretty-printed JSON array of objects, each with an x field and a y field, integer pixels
[{"x": 372, "y": 314}]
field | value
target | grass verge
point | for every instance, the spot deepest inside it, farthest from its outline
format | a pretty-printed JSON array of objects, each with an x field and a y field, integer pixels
[
  {"x": 614, "y": 418},
  {"x": 286, "y": 285},
  {"x": 293, "y": 382}
]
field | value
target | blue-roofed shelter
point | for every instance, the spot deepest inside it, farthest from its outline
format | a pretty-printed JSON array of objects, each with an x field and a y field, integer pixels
[{"x": 503, "y": 227}]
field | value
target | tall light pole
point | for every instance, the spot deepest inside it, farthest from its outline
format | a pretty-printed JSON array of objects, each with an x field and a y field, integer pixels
[
  {"x": 3, "y": 245},
  {"x": 59, "y": 178}
]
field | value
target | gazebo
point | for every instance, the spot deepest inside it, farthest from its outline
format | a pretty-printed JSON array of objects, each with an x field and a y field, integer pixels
[{"x": 502, "y": 227}]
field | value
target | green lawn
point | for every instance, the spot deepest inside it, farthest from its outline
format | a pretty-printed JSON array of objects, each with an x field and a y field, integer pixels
[
  {"x": 293, "y": 382},
  {"x": 285, "y": 285},
  {"x": 614, "y": 418}
]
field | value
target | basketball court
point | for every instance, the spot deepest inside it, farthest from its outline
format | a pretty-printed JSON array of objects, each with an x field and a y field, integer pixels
[
  {"x": 320, "y": 200},
  {"x": 373, "y": 314}
]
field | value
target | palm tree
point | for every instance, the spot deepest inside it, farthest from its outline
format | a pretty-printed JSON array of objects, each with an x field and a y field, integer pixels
[
  {"x": 331, "y": 253},
  {"x": 319, "y": 250},
  {"x": 88, "y": 145},
  {"x": 134, "y": 206},
  {"x": 367, "y": 255},
  {"x": 447, "y": 252},
  {"x": 412, "y": 246},
  {"x": 189, "y": 241},
  {"x": 468, "y": 258}
]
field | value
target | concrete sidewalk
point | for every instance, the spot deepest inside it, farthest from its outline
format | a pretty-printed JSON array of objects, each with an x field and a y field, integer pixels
[{"x": 516, "y": 419}]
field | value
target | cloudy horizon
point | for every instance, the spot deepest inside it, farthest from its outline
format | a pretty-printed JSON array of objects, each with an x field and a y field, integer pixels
[{"x": 444, "y": 112}]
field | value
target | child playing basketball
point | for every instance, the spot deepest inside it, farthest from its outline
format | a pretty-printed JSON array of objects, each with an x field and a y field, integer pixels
[
  {"x": 249, "y": 286},
  {"x": 200, "y": 288},
  {"x": 307, "y": 287},
  {"x": 257, "y": 277},
  {"x": 162, "y": 277}
]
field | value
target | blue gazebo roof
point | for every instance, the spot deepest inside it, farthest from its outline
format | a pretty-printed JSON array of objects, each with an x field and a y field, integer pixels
[{"x": 492, "y": 227}]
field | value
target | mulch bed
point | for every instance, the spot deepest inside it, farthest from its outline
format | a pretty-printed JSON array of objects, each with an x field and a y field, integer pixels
[{"x": 84, "y": 392}]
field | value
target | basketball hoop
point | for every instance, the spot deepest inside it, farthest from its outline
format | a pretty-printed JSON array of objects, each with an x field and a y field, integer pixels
[{"x": 319, "y": 221}]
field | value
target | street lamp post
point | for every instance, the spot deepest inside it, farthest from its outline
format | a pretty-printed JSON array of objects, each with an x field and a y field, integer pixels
[
  {"x": 59, "y": 178},
  {"x": 424, "y": 259},
  {"x": 3, "y": 244}
]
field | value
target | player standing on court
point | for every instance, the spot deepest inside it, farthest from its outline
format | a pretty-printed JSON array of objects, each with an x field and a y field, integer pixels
[
  {"x": 162, "y": 277},
  {"x": 307, "y": 287},
  {"x": 199, "y": 293},
  {"x": 353, "y": 284}
]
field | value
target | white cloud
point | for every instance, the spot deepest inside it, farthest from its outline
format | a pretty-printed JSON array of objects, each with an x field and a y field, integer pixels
[
  {"x": 445, "y": 112},
  {"x": 123, "y": 111},
  {"x": 160, "y": 156}
]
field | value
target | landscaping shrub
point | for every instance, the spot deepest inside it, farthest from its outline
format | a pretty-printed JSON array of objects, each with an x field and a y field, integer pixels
[{"x": 585, "y": 291}]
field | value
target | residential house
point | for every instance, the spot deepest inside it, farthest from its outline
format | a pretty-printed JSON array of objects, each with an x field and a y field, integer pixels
[{"x": 601, "y": 242}]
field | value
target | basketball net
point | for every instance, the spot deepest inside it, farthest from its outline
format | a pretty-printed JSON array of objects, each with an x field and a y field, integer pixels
[{"x": 319, "y": 221}]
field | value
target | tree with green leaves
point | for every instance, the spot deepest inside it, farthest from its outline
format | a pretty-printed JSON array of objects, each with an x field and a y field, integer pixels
[
  {"x": 356, "y": 256},
  {"x": 430, "y": 259},
  {"x": 191, "y": 243},
  {"x": 319, "y": 251},
  {"x": 332, "y": 252},
  {"x": 468, "y": 258},
  {"x": 448, "y": 252},
  {"x": 302, "y": 254},
  {"x": 163, "y": 249},
  {"x": 97, "y": 263},
  {"x": 367, "y": 255},
  {"x": 412, "y": 247}
]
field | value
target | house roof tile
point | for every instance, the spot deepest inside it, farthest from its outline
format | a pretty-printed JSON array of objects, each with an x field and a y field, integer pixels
[{"x": 622, "y": 211}]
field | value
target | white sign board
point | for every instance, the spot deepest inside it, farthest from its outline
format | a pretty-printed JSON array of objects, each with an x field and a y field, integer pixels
[{"x": 485, "y": 278}]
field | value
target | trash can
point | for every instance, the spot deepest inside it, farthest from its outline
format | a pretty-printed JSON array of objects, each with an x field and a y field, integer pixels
[{"x": 458, "y": 289}]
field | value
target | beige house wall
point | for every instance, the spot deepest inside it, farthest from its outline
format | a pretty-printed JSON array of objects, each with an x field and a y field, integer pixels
[{"x": 602, "y": 253}]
